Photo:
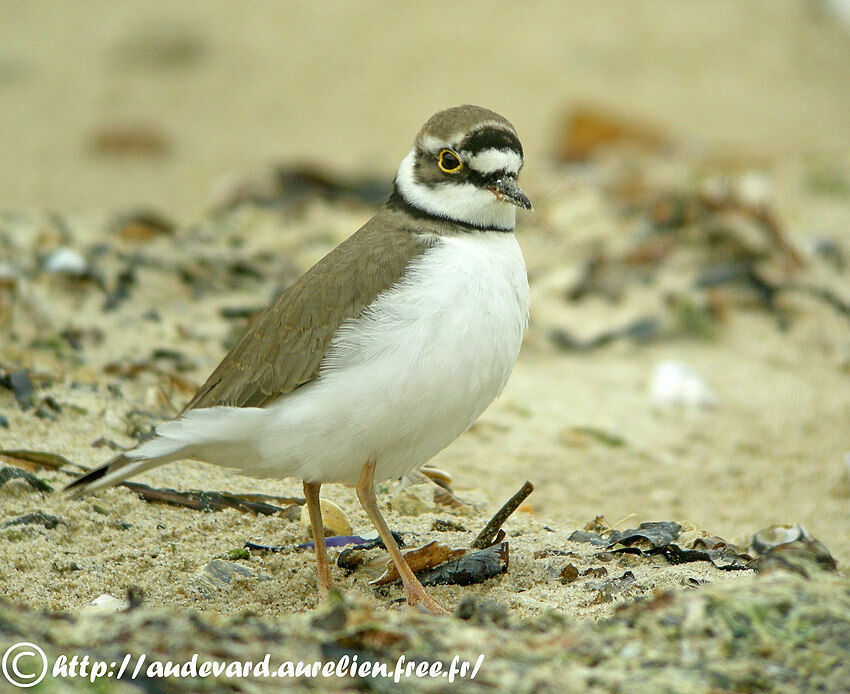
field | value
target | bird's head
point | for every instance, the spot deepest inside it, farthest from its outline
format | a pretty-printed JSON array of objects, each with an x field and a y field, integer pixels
[{"x": 463, "y": 167}]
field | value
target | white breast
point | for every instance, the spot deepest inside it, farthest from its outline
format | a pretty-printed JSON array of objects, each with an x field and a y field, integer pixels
[
  {"x": 399, "y": 383},
  {"x": 415, "y": 371}
]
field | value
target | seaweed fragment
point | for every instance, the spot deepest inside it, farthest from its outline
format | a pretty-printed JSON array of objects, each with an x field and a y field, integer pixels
[
  {"x": 656, "y": 533},
  {"x": 200, "y": 500},
  {"x": 658, "y": 538},
  {"x": 641, "y": 330},
  {"x": 36, "y": 518},
  {"x": 471, "y": 568},
  {"x": 725, "y": 558},
  {"x": 15, "y": 473},
  {"x": 124, "y": 280},
  {"x": 36, "y": 460}
]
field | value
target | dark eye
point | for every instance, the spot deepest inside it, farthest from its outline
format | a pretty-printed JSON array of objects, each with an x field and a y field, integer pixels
[{"x": 449, "y": 162}]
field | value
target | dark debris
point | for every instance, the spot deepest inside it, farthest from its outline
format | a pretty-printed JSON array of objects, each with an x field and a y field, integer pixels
[
  {"x": 36, "y": 518},
  {"x": 656, "y": 533},
  {"x": 21, "y": 385},
  {"x": 200, "y": 500},
  {"x": 474, "y": 567},
  {"x": 14, "y": 473}
]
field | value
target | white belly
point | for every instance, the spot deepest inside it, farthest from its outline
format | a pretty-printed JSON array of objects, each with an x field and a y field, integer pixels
[{"x": 409, "y": 376}]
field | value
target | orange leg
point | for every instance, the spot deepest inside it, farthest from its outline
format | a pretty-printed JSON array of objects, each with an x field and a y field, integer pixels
[
  {"x": 413, "y": 590},
  {"x": 323, "y": 569}
]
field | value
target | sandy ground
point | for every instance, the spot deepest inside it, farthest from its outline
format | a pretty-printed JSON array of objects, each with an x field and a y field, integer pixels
[
  {"x": 769, "y": 451},
  {"x": 751, "y": 96}
]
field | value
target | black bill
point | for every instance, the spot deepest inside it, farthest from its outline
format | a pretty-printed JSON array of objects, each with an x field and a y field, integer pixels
[{"x": 505, "y": 188}]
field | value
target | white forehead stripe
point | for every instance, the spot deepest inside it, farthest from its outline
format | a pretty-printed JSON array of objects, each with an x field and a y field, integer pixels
[
  {"x": 463, "y": 202},
  {"x": 435, "y": 144},
  {"x": 490, "y": 160}
]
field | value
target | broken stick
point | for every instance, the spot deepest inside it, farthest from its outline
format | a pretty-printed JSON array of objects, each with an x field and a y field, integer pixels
[{"x": 488, "y": 535}]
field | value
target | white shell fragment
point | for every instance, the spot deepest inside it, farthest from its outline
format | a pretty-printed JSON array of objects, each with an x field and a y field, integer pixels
[
  {"x": 754, "y": 189},
  {"x": 436, "y": 475},
  {"x": 768, "y": 538},
  {"x": 105, "y": 604},
  {"x": 66, "y": 261},
  {"x": 674, "y": 384},
  {"x": 333, "y": 518}
]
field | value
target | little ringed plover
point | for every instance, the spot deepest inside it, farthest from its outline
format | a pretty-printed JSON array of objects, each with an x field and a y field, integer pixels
[{"x": 382, "y": 353}]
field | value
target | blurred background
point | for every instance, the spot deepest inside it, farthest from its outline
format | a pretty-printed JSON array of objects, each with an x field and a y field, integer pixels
[
  {"x": 120, "y": 103},
  {"x": 166, "y": 168}
]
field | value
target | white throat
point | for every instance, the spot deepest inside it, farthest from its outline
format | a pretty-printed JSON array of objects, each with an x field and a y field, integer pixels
[{"x": 461, "y": 202}]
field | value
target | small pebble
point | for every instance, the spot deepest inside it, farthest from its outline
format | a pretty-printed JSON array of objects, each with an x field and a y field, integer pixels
[
  {"x": 333, "y": 518},
  {"x": 9, "y": 276},
  {"x": 21, "y": 385},
  {"x": 674, "y": 384},
  {"x": 218, "y": 575},
  {"x": 66, "y": 261}
]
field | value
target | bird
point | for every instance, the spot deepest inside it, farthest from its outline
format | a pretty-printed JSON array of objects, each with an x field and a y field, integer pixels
[{"x": 382, "y": 353}]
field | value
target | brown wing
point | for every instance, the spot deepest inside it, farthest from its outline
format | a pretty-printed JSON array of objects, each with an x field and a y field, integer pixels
[{"x": 283, "y": 347}]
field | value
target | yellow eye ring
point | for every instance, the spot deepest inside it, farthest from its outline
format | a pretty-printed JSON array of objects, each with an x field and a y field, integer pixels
[{"x": 449, "y": 161}]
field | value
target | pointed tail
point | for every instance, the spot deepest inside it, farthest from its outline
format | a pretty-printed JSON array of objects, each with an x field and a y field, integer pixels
[
  {"x": 220, "y": 435},
  {"x": 113, "y": 472}
]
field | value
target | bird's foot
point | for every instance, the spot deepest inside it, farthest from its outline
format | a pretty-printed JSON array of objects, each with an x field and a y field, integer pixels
[{"x": 417, "y": 596}]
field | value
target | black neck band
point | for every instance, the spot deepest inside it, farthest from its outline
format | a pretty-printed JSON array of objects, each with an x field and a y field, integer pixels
[{"x": 398, "y": 202}]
